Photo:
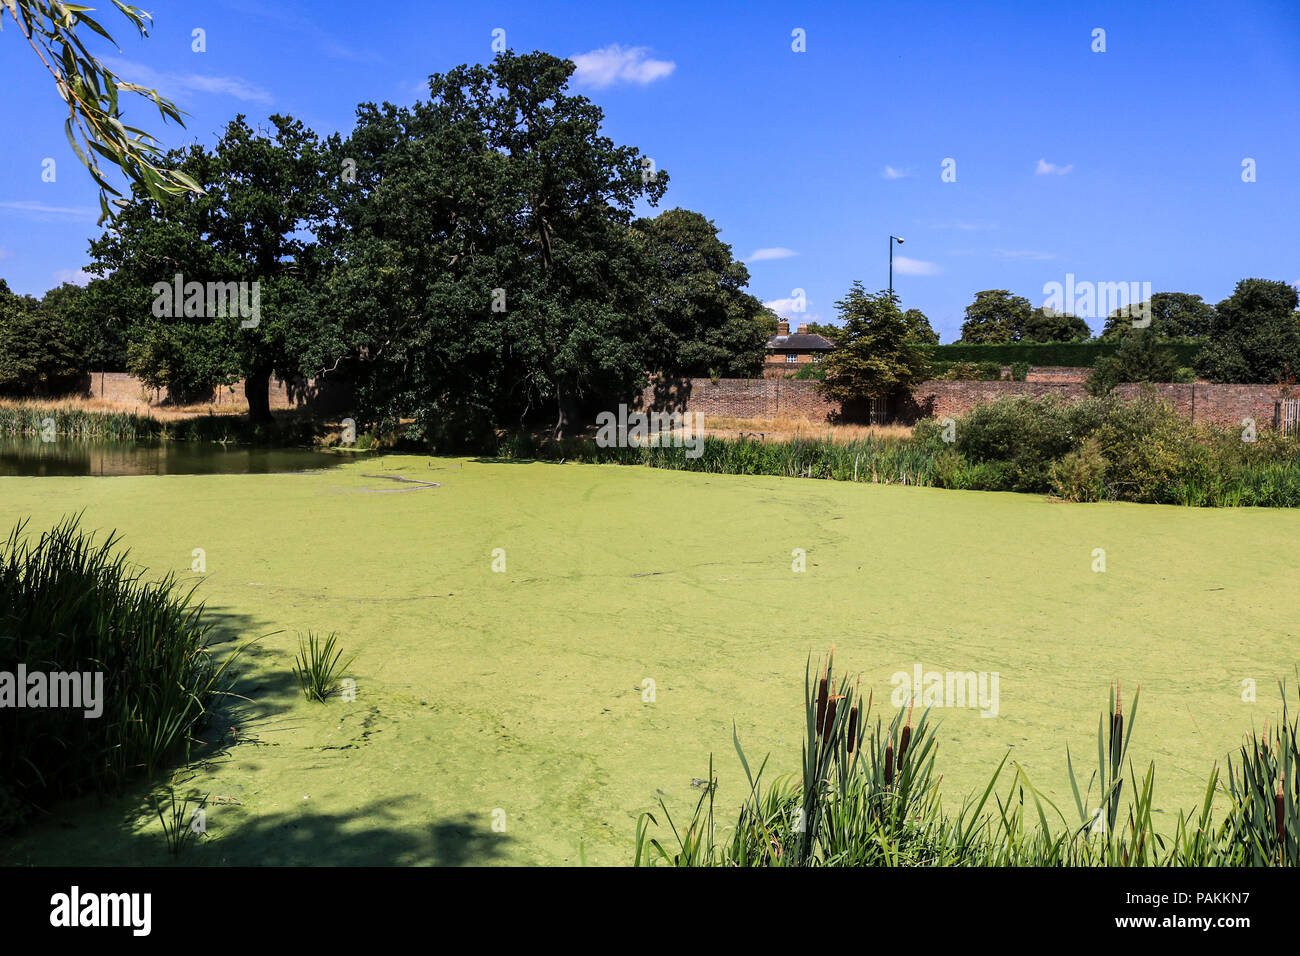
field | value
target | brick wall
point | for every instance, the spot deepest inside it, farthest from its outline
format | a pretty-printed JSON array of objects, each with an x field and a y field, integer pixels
[
  {"x": 739, "y": 398},
  {"x": 943, "y": 399},
  {"x": 1055, "y": 373},
  {"x": 774, "y": 398},
  {"x": 126, "y": 388}
]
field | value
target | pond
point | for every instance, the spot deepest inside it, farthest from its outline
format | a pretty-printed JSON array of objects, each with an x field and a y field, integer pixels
[{"x": 29, "y": 456}]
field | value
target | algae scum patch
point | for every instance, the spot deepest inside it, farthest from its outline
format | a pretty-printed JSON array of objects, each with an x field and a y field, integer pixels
[{"x": 502, "y": 715}]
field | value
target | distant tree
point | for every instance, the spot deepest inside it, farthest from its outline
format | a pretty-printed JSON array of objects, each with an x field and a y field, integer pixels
[
  {"x": 1048, "y": 325},
  {"x": 1141, "y": 357},
  {"x": 827, "y": 331},
  {"x": 922, "y": 332},
  {"x": 1174, "y": 315},
  {"x": 1255, "y": 336},
  {"x": 702, "y": 322},
  {"x": 485, "y": 263},
  {"x": 38, "y": 347},
  {"x": 874, "y": 357},
  {"x": 264, "y": 192},
  {"x": 995, "y": 316}
]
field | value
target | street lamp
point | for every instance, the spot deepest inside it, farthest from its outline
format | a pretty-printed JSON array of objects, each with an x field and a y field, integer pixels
[{"x": 892, "y": 240}]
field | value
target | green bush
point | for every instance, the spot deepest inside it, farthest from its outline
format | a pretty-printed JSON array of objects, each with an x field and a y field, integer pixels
[
  {"x": 1081, "y": 474},
  {"x": 1026, "y": 434},
  {"x": 1019, "y": 371}
]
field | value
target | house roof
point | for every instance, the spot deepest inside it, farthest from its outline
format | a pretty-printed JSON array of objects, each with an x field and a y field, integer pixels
[{"x": 797, "y": 341}]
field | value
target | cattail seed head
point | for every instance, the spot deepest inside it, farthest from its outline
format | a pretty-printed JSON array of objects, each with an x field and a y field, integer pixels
[
  {"x": 853, "y": 727},
  {"x": 831, "y": 706},
  {"x": 906, "y": 737},
  {"x": 821, "y": 705},
  {"x": 1279, "y": 816},
  {"x": 889, "y": 764}
]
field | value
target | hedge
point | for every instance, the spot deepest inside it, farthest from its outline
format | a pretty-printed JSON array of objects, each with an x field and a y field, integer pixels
[{"x": 1070, "y": 354}]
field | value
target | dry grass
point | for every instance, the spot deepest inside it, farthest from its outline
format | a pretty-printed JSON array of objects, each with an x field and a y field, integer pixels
[
  {"x": 785, "y": 429},
  {"x": 159, "y": 412}
]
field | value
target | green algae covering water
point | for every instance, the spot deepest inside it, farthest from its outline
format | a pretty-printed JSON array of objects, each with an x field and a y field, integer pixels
[{"x": 504, "y": 716}]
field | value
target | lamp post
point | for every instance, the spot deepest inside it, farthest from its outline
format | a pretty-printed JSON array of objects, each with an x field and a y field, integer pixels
[{"x": 892, "y": 239}]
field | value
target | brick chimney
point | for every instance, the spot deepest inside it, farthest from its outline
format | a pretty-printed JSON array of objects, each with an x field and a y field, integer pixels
[
  {"x": 783, "y": 327},
  {"x": 803, "y": 328}
]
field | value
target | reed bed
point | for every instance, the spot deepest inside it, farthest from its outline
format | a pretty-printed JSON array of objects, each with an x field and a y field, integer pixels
[
  {"x": 70, "y": 604},
  {"x": 868, "y": 795},
  {"x": 76, "y": 422}
]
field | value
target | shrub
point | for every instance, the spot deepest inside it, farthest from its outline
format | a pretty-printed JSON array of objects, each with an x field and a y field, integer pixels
[
  {"x": 1080, "y": 475},
  {"x": 1019, "y": 371},
  {"x": 1026, "y": 434},
  {"x": 71, "y": 605},
  {"x": 1148, "y": 446}
]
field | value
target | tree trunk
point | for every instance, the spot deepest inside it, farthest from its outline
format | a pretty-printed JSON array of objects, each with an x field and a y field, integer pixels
[
  {"x": 566, "y": 421},
  {"x": 257, "y": 389}
]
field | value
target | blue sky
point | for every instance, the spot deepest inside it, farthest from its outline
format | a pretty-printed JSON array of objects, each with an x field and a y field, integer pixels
[{"x": 1115, "y": 166}]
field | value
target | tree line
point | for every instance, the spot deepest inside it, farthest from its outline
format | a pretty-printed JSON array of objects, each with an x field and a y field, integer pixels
[{"x": 467, "y": 262}]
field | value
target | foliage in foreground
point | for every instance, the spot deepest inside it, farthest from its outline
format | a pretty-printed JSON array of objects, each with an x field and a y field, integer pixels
[
  {"x": 68, "y": 605},
  {"x": 867, "y": 795}
]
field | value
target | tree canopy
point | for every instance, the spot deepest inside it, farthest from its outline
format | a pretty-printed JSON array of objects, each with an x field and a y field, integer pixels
[
  {"x": 263, "y": 194},
  {"x": 486, "y": 259},
  {"x": 875, "y": 355},
  {"x": 1174, "y": 315},
  {"x": 995, "y": 316},
  {"x": 1255, "y": 335}
]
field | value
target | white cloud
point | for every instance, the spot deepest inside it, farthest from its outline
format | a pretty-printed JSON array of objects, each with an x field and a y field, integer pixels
[
  {"x": 171, "y": 84},
  {"x": 1044, "y": 168},
  {"x": 892, "y": 173},
  {"x": 787, "y": 309},
  {"x": 75, "y": 276},
  {"x": 619, "y": 64},
  {"x": 44, "y": 211},
  {"x": 915, "y": 267},
  {"x": 774, "y": 252}
]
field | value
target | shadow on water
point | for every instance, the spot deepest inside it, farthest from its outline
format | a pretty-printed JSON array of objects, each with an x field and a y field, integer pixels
[{"x": 28, "y": 456}]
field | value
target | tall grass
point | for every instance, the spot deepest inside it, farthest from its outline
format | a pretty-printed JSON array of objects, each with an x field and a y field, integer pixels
[
  {"x": 868, "y": 795},
  {"x": 70, "y": 604},
  {"x": 79, "y": 423}
]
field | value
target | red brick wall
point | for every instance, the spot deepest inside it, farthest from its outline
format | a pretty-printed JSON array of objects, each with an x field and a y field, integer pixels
[
  {"x": 943, "y": 399},
  {"x": 773, "y": 398},
  {"x": 740, "y": 398},
  {"x": 123, "y": 387}
]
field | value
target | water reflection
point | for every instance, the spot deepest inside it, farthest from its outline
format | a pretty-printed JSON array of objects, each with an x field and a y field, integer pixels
[{"x": 29, "y": 456}]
